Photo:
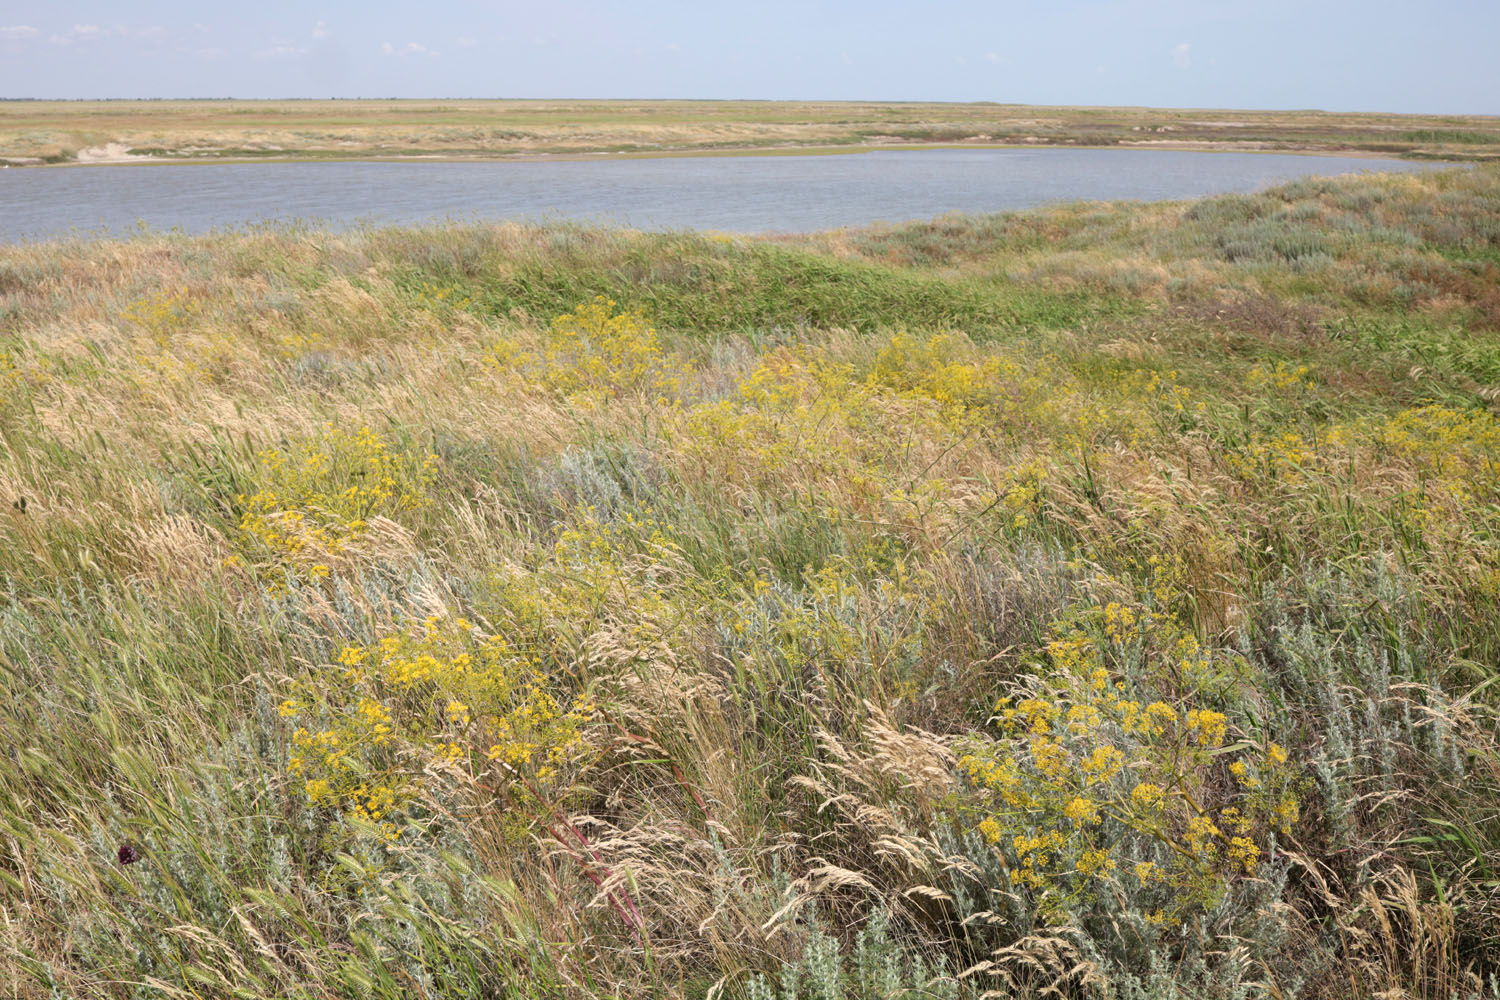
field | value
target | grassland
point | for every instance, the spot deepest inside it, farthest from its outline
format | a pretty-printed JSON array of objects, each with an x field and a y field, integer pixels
[
  {"x": 69, "y": 131},
  {"x": 1100, "y": 599}
]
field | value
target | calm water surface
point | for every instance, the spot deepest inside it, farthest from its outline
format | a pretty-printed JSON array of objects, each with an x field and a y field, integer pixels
[{"x": 736, "y": 194}]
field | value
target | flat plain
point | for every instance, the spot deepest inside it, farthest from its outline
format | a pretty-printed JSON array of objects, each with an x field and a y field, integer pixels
[{"x": 95, "y": 131}]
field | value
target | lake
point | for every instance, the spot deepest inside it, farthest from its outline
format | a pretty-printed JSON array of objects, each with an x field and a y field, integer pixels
[{"x": 730, "y": 193}]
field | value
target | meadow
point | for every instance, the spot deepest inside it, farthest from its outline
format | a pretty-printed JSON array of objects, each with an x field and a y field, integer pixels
[
  {"x": 1098, "y": 601},
  {"x": 34, "y": 132}
]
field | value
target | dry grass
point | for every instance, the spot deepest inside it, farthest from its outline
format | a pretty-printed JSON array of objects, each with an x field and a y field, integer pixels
[
  {"x": 53, "y": 131},
  {"x": 749, "y": 559}
]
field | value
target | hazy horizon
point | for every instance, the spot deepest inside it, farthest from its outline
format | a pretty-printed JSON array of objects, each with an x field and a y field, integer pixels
[
  {"x": 1278, "y": 55},
  {"x": 752, "y": 99}
]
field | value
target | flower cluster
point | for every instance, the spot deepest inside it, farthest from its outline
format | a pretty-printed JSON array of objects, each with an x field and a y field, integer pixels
[
  {"x": 162, "y": 315},
  {"x": 390, "y": 716},
  {"x": 1116, "y": 764},
  {"x": 1281, "y": 375},
  {"x": 594, "y": 351},
  {"x": 319, "y": 496}
]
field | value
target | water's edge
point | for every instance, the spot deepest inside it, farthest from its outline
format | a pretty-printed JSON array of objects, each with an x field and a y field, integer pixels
[{"x": 745, "y": 193}]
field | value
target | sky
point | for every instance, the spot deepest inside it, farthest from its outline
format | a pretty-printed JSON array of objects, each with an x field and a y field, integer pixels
[{"x": 1377, "y": 55}]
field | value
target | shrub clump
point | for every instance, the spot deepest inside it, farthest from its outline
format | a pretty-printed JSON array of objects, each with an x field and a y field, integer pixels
[
  {"x": 318, "y": 497},
  {"x": 1118, "y": 768},
  {"x": 390, "y": 715}
]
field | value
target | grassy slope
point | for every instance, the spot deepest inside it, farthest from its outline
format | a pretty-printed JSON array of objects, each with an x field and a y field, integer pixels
[
  {"x": 57, "y": 131},
  {"x": 780, "y": 527}
]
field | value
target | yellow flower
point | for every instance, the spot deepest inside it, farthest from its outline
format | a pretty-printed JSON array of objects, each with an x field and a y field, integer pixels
[
  {"x": 1244, "y": 852},
  {"x": 1092, "y": 862},
  {"x": 1159, "y": 716},
  {"x": 1209, "y": 727},
  {"x": 1146, "y": 796},
  {"x": 1102, "y": 764},
  {"x": 1082, "y": 811}
]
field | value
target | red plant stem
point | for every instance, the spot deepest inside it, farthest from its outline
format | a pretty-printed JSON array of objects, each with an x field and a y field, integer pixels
[{"x": 628, "y": 911}]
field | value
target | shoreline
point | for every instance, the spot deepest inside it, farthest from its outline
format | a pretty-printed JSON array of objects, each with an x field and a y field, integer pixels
[{"x": 109, "y": 159}]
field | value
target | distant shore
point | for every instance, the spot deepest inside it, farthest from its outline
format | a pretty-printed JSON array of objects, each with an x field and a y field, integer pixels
[
  {"x": 129, "y": 159},
  {"x": 59, "y": 133}
]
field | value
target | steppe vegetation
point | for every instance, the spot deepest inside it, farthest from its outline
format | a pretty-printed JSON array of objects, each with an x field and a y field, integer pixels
[
  {"x": 1099, "y": 600},
  {"x": 68, "y": 131}
]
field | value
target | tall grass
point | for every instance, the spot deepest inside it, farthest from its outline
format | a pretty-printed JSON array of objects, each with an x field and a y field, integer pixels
[{"x": 1098, "y": 600}]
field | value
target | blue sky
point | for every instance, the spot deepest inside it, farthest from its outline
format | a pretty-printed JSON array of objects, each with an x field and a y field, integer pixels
[{"x": 1378, "y": 55}]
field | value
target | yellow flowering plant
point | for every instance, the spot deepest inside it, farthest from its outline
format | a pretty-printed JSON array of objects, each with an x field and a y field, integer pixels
[
  {"x": 22, "y": 370},
  {"x": 163, "y": 315},
  {"x": 596, "y": 351},
  {"x": 1100, "y": 773},
  {"x": 392, "y": 716},
  {"x": 318, "y": 496}
]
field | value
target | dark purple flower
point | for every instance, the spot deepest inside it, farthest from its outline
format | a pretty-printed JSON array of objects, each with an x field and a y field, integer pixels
[{"x": 128, "y": 855}]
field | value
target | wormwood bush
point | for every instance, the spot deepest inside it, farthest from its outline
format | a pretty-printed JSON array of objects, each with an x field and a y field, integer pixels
[
  {"x": 829, "y": 633},
  {"x": 204, "y": 834},
  {"x": 607, "y": 479},
  {"x": 881, "y": 967},
  {"x": 317, "y": 497},
  {"x": 1346, "y": 649},
  {"x": 1273, "y": 241},
  {"x": 1115, "y": 776},
  {"x": 389, "y": 715}
]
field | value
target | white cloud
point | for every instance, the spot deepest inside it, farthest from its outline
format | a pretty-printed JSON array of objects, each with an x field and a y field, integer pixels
[
  {"x": 89, "y": 32},
  {"x": 81, "y": 33},
  {"x": 200, "y": 27},
  {"x": 320, "y": 30},
  {"x": 210, "y": 53},
  {"x": 467, "y": 43},
  {"x": 281, "y": 49},
  {"x": 993, "y": 58},
  {"x": 1180, "y": 56},
  {"x": 409, "y": 49}
]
